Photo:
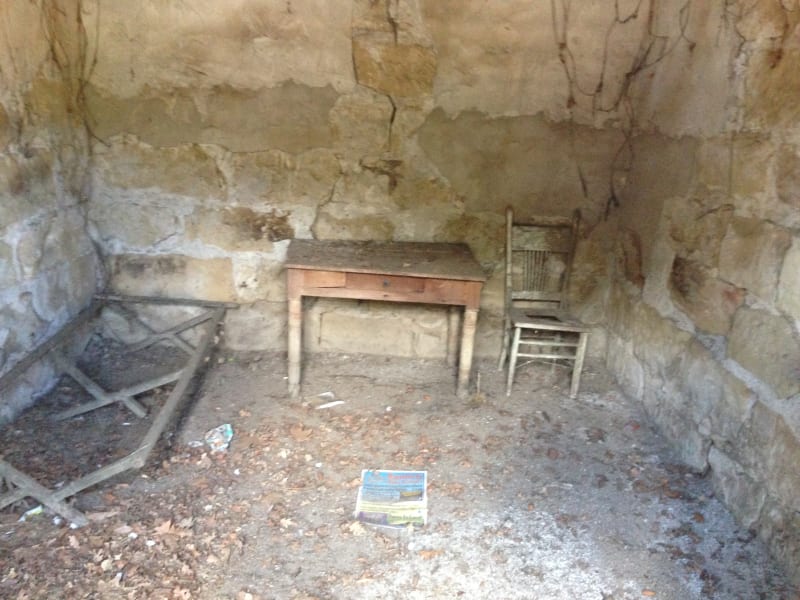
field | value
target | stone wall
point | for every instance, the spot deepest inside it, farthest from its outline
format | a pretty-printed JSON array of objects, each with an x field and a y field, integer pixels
[
  {"x": 48, "y": 265},
  {"x": 704, "y": 311},
  {"x": 194, "y": 140},
  {"x": 226, "y": 128}
]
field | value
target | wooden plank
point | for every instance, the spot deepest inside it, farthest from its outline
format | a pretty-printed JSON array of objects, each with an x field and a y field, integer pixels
[
  {"x": 324, "y": 279},
  {"x": 167, "y": 334},
  {"x": 159, "y": 300},
  {"x": 102, "y": 396},
  {"x": 36, "y": 490},
  {"x": 419, "y": 259},
  {"x": 23, "y": 365},
  {"x": 181, "y": 388},
  {"x": 119, "y": 396}
]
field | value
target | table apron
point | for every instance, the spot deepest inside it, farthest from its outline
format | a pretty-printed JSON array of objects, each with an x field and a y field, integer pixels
[{"x": 392, "y": 288}]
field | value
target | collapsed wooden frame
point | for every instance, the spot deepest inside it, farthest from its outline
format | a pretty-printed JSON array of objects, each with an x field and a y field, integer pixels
[{"x": 21, "y": 485}]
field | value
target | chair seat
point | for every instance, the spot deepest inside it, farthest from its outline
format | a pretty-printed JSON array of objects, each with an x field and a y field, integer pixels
[{"x": 552, "y": 320}]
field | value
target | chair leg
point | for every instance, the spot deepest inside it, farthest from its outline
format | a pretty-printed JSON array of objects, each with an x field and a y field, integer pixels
[
  {"x": 504, "y": 348},
  {"x": 512, "y": 361},
  {"x": 578, "y": 366}
]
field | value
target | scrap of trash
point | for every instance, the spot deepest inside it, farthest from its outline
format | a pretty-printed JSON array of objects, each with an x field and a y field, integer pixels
[{"x": 219, "y": 438}]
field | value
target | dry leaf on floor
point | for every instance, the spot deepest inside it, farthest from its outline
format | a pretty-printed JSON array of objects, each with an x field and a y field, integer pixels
[
  {"x": 164, "y": 528},
  {"x": 300, "y": 433},
  {"x": 429, "y": 554}
]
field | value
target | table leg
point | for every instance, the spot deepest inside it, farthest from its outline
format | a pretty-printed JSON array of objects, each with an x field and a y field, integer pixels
[
  {"x": 453, "y": 321},
  {"x": 578, "y": 366},
  {"x": 467, "y": 344},
  {"x": 295, "y": 344}
]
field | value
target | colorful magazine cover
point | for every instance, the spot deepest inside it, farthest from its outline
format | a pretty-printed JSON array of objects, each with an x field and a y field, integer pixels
[{"x": 393, "y": 498}]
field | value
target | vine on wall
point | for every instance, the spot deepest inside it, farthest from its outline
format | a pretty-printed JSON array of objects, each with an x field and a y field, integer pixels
[{"x": 605, "y": 95}]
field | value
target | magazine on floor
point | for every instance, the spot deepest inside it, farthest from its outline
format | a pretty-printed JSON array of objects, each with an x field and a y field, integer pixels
[{"x": 393, "y": 498}]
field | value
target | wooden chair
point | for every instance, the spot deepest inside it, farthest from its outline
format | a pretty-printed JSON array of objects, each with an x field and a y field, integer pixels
[{"x": 537, "y": 326}]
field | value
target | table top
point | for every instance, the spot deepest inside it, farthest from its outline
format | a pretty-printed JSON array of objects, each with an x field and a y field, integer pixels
[{"x": 412, "y": 259}]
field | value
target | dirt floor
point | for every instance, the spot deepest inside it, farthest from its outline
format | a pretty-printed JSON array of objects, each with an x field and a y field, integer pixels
[{"x": 535, "y": 496}]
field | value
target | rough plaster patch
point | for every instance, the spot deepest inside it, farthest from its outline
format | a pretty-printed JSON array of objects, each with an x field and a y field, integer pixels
[
  {"x": 247, "y": 43},
  {"x": 549, "y": 168},
  {"x": 290, "y": 117}
]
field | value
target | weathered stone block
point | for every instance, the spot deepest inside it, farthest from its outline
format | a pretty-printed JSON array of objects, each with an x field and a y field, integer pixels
[
  {"x": 789, "y": 283},
  {"x": 782, "y": 474},
  {"x": 359, "y": 209},
  {"x": 657, "y": 342},
  {"x": 622, "y": 362},
  {"x": 7, "y": 275},
  {"x": 751, "y": 255},
  {"x": 172, "y": 275},
  {"x": 751, "y": 155},
  {"x": 780, "y": 528},
  {"x": 763, "y": 21},
  {"x": 766, "y": 346},
  {"x": 30, "y": 244},
  {"x": 744, "y": 495},
  {"x": 772, "y": 75},
  {"x": 131, "y": 220},
  {"x": 787, "y": 176},
  {"x": 361, "y": 123},
  {"x": 60, "y": 292},
  {"x": 386, "y": 331},
  {"x": 730, "y": 411},
  {"x": 257, "y": 326},
  {"x": 276, "y": 180},
  {"x": 26, "y": 186},
  {"x": 238, "y": 228},
  {"x": 714, "y": 163},
  {"x": 709, "y": 302},
  {"x": 186, "y": 170},
  {"x": 259, "y": 277},
  {"x": 672, "y": 412},
  {"x": 697, "y": 226},
  {"x": 66, "y": 238}
]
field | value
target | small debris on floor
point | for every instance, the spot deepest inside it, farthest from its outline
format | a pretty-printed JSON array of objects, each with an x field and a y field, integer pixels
[{"x": 532, "y": 495}]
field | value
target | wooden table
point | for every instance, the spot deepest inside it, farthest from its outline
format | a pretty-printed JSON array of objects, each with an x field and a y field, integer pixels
[{"x": 427, "y": 273}]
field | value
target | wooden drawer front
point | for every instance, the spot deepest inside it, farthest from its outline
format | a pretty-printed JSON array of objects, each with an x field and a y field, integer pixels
[
  {"x": 324, "y": 279},
  {"x": 388, "y": 283}
]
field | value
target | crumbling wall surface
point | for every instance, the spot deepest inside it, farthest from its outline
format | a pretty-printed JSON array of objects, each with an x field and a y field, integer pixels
[
  {"x": 224, "y": 129},
  {"x": 704, "y": 315},
  {"x": 48, "y": 265}
]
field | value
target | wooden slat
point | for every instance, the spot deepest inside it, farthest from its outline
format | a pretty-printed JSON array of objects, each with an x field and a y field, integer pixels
[
  {"x": 36, "y": 490},
  {"x": 159, "y": 300},
  {"x": 181, "y": 388},
  {"x": 23, "y": 365}
]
